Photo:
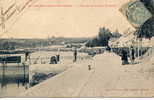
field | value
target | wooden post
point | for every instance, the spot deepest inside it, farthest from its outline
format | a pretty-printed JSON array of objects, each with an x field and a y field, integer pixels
[
  {"x": 138, "y": 49},
  {"x": 141, "y": 47},
  {"x": 152, "y": 46},
  {"x": 28, "y": 77},
  {"x": 24, "y": 73},
  {"x": 18, "y": 74},
  {"x": 3, "y": 75}
]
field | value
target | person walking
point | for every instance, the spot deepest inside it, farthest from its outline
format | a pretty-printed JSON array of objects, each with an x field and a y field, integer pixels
[
  {"x": 124, "y": 57},
  {"x": 53, "y": 60},
  {"x": 75, "y": 55},
  {"x": 58, "y": 55},
  {"x": 27, "y": 56},
  {"x": 132, "y": 55}
]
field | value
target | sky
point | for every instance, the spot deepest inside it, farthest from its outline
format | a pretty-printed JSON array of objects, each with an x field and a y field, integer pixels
[{"x": 69, "y": 21}]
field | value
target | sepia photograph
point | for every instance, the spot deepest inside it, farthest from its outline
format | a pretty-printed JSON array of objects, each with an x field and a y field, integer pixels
[{"x": 76, "y": 48}]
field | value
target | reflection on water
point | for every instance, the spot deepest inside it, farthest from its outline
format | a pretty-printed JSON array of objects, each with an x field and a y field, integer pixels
[{"x": 14, "y": 79}]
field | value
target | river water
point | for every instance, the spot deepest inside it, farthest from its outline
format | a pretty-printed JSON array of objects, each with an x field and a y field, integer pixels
[{"x": 14, "y": 79}]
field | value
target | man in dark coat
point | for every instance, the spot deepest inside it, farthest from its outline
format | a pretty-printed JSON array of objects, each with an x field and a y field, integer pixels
[
  {"x": 124, "y": 57},
  {"x": 132, "y": 55},
  {"x": 75, "y": 55}
]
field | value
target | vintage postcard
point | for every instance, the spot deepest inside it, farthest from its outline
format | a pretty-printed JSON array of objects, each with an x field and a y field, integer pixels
[{"x": 76, "y": 48}]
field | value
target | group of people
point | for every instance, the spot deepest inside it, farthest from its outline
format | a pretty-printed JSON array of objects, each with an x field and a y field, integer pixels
[
  {"x": 124, "y": 56},
  {"x": 56, "y": 59}
]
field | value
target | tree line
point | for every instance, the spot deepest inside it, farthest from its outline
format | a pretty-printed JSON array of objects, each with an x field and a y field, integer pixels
[{"x": 103, "y": 37}]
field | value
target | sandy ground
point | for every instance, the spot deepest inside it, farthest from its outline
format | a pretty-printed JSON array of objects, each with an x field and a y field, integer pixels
[{"x": 107, "y": 78}]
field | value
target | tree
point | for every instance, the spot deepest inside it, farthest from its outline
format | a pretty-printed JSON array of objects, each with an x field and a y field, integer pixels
[
  {"x": 116, "y": 34},
  {"x": 147, "y": 29},
  {"x": 104, "y": 36},
  {"x": 102, "y": 39},
  {"x": 92, "y": 43}
]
